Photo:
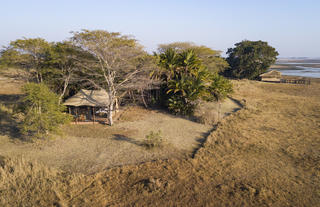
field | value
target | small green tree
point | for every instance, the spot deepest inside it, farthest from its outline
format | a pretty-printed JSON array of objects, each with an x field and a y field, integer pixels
[
  {"x": 220, "y": 87},
  {"x": 153, "y": 140},
  {"x": 42, "y": 112},
  {"x": 249, "y": 59}
]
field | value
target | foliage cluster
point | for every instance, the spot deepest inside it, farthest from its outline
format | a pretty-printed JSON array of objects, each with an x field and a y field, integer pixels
[
  {"x": 153, "y": 140},
  {"x": 210, "y": 58},
  {"x": 249, "y": 59},
  {"x": 186, "y": 80},
  {"x": 42, "y": 113}
]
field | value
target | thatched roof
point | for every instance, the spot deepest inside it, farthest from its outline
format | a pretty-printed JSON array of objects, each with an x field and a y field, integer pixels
[
  {"x": 84, "y": 97},
  {"x": 271, "y": 74}
]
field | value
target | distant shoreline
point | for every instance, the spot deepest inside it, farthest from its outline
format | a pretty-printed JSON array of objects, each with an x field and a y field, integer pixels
[
  {"x": 313, "y": 80},
  {"x": 292, "y": 66},
  {"x": 298, "y": 69}
]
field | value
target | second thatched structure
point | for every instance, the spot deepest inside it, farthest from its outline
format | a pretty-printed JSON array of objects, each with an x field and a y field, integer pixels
[{"x": 271, "y": 76}]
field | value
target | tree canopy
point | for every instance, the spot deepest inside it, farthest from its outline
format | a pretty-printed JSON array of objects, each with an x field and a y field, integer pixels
[
  {"x": 30, "y": 54},
  {"x": 249, "y": 59},
  {"x": 209, "y": 57},
  {"x": 116, "y": 60}
]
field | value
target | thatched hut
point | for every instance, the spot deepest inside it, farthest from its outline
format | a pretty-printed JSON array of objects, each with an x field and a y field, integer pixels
[
  {"x": 88, "y": 105},
  {"x": 271, "y": 76}
]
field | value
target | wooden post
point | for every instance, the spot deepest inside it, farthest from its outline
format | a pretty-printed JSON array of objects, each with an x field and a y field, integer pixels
[
  {"x": 94, "y": 114},
  {"x": 117, "y": 106},
  {"x": 89, "y": 113},
  {"x": 76, "y": 115},
  {"x": 142, "y": 96}
]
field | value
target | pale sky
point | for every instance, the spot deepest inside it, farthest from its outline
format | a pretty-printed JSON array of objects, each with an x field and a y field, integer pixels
[{"x": 291, "y": 26}]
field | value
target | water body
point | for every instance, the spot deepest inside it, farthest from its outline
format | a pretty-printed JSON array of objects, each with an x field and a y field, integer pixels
[
  {"x": 310, "y": 72},
  {"x": 291, "y": 63}
]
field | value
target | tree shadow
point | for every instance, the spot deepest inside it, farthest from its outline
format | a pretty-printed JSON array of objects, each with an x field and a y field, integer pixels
[
  {"x": 124, "y": 138},
  {"x": 9, "y": 99},
  {"x": 239, "y": 103},
  {"x": 8, "y": 125}
]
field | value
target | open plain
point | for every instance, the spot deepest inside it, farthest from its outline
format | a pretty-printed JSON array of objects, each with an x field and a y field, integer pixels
[{"x": 266, "y": 154}]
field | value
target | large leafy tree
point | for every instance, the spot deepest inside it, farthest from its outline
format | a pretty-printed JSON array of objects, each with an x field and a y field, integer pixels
[
  {"x": 65, "y": 63},
  {"x": 30, "y": 54},
  {"x": 249, "y": 59},
  {"x": 210, "y": 58},
  {"x": 116, "y": 61}
]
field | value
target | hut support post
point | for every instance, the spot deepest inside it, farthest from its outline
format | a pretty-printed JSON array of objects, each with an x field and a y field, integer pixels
[
  {"x": 117, "y": 106},
  {"x": 93, "y": 114},
  {"x": 76, "y": 115},
  {"x": 143, "y": 100}
]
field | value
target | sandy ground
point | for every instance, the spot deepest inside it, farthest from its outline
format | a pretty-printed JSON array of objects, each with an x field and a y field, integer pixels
[{"x": 267, "y": 154}]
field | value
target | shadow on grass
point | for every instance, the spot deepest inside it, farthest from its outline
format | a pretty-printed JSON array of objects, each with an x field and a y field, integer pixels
[
  {"x": 9, "y": 126},
  {"x": 7, "y": 99},
  {"x": 239, "y": 103},
  {"x": 123, "y": 138}
]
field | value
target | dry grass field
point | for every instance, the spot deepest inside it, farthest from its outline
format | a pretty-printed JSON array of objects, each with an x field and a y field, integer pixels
[{"x": 266, "y": 154}]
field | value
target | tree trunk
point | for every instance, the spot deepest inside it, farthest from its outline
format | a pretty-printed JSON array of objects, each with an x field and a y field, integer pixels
[
  {"x": 110, "y": 111},
  {"x": 110, "y": 118},
  {"x": 116, "y": 105},
  {"x": 65, "y": 85},
  {"x": 41, "y": 79}
]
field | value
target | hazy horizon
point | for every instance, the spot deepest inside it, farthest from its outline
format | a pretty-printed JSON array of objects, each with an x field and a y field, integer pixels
[{"x": 289, "y": 26}]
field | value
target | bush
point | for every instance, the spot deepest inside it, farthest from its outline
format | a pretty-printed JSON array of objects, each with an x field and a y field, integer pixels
[
  {"x": 220, "y": 87},
  {"x": 180, "y": 105},
  {"x": 153, "y": 140},
  {"x": 42, "y": 111}
]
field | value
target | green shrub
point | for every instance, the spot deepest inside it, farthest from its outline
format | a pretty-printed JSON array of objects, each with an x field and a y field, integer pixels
[
  {"x": 153, "y": 140},
  {"x": 179, "y": 105},
  {"x": 42, "y": 111},
  {"x": 220, "y": 87}
]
